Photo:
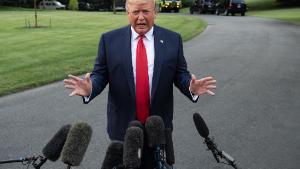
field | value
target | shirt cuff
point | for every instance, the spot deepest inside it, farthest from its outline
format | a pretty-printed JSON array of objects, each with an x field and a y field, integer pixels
[
  {"x": 194, "y": 97},
  {"x": 87, "y": 98}
]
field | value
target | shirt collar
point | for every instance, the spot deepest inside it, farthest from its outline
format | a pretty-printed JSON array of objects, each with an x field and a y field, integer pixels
[{"x": 135, "y": 35}]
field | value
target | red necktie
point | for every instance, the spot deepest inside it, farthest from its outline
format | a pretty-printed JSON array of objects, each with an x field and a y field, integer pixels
[{"x": 142, "y": 82}]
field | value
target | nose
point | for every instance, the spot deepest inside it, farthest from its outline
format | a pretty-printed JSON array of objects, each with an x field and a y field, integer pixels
[{"x": 141, "y": 16}]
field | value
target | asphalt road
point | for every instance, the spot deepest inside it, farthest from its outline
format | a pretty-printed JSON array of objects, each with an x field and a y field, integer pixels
[{"x": 254, "y": 115}]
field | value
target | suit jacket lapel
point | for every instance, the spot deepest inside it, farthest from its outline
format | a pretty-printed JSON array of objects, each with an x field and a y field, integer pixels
[
  {"x": 158, "y": 58},
  {"x": 128, "y": 69}
]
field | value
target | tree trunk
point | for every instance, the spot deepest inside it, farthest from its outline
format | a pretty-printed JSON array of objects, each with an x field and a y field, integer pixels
[
  {"x": 114, "y": 6},
  {"x": 35, "y": 15}
]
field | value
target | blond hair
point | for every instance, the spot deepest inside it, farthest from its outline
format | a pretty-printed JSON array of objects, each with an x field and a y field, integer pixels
[{"x": 138, "y": 1}]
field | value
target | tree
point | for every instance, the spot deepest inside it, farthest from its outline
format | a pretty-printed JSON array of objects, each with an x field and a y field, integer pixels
[
  {"x": 73, "y": 4},
  {"x": 289, "y": 2}
]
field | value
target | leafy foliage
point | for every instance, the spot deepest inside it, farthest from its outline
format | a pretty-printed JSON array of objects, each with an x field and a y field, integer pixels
[
  {"x": 73, "y": 4},
  {"x": 187, "y": 3},
  {"x": 289, "y": 2}
]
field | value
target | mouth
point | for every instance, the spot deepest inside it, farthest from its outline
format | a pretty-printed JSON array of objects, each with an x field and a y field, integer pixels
[{"x": 141, "y": 24}]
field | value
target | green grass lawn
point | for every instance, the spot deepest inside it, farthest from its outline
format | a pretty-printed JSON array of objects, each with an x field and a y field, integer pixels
[
  {"x": 261, "y": 4},
  {"x": 185, "y": 10},
  {"x": 34, "y": 57},
  {"x": 286, "y": 14},
  {"x": 271, "y": 9}
]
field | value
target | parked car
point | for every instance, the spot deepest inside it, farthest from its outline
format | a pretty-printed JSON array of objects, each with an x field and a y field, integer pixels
[
  {"x": 51, "y": 5},
  {"x": 84, "y": 6},
  {"x": 169, "y": 5},
  {"x": 203, "y": 6},
  {"x": 101, "y": 5},
  {"x": 120, "y": 5},
  {"x": 231, "y": 7}
]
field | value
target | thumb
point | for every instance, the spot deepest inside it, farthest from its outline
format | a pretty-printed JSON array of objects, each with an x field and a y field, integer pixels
[
  {"x": 87, "y": 75},
  {"x": 193, "y": 78}
]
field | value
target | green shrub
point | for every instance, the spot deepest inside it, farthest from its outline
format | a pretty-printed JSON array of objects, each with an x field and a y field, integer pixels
[
  {"x": 73, "y": 4},
  {"x": 289, "y": 2},
  {"x": 187, "y": 3}
]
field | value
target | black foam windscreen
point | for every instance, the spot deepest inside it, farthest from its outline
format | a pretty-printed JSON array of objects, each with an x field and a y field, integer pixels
[
  {"x": 155, "y": 130},
  {"x": 133, "y": 144},
  {"x": 114, "y": 155},
  {"x": 136, "y": 123},
  {"x": 200, "y": 125},
  {"x": 76, "y": 144},
  {"x": 170, "y": 157},
  {"x": 53, "y": 148}
]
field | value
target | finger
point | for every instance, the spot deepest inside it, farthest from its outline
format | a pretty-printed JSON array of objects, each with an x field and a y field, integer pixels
[
  {"x": 74, "y": 77},
  {"x": 208, "y": 78},
  {"x": 73, "y": 93},
  {"x": 211, "y": 87},
  {"x": 70, "y": 86},
  {"x": 210, "y": 92},
  {"x": 69, "y": 82},
  {"x": 210, "y": 82}
]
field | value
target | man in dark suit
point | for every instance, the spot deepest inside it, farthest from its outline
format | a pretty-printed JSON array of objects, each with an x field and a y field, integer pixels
[{"x": 140, "y": 62}]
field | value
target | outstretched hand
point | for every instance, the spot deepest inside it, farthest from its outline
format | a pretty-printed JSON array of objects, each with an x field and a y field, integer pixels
[
  {"x": 79, "y": 86},
  {"x": 202, "y": 86}
]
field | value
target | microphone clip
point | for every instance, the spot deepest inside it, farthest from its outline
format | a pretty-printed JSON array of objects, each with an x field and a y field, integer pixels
[
  {"x": 218, "y": 154},
  {"x": 212, "y": 146},
  {"x": 38, "y": 162}
]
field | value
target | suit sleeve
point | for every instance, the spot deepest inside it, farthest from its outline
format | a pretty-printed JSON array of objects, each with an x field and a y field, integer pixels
[
  {"x": 99, "y": 75},
  {"x": 183, "y": 76}
]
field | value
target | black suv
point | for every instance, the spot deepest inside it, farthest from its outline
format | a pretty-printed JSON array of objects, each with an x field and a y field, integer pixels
[
  {"x": 231, "y": 7},
  {"x": 203, "y": 6}
]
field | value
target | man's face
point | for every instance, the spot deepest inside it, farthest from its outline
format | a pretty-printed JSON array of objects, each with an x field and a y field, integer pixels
[{"x": 141, "y": 16}]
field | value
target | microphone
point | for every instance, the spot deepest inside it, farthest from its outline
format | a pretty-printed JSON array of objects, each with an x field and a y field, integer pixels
[
  {"x": 114, "y": 155},
  {"x": 51, "y": 151},
  {"x": 133, "y": 144},
  {"x": 76, "y": 144},
  {"x": 136, "y": 123},
  {"x": 200, "y": 125},
  {"x": 53, "y": 148},
  {"x": 170, "y": 158},
  {"x": 155, "y": 130},
  {"x": 211, "y": 145}
]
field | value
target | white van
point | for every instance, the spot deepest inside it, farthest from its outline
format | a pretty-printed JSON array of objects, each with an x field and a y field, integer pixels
[{"x": 51, "y": 5}]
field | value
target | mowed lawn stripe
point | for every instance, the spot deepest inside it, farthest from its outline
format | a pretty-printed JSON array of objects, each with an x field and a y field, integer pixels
[{"x": 34, "y": 57}]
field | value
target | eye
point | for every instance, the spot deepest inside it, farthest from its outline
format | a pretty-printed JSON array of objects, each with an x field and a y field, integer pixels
[
  {"x": 146, "y": 12},
  {"x": 135, "y": 12}
]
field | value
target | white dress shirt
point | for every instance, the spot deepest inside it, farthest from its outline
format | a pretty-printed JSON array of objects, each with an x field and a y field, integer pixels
[{"x": 149, "y": 45}]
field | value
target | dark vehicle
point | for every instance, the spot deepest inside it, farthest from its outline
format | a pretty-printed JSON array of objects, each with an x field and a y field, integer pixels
[
  {"x": 84, "y": 6},
  {"x": 231, "y": 7},
  {"x": 169, "y": 5},
  {"x": 100, "y": 5},
  {"x": 203, "y": 6}
]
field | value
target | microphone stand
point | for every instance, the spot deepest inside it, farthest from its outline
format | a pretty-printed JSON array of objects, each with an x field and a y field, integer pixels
[
  {"x": 211, "y": 145},
  {"x": 68, "y": 167},
  {"x": 28, "y": 160},
  {"x": 159, "y": 158}
]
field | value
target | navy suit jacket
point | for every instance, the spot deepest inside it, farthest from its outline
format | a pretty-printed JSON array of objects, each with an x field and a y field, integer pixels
[{"x": 113, "y": 66}]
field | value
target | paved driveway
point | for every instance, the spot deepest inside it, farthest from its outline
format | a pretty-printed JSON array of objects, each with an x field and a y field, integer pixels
[{"x": 254, "y": 116}]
